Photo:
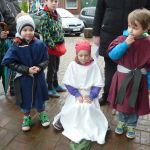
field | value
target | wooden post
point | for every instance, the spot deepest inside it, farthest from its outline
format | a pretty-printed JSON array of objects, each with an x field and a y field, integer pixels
[{"x": 88, "y": 32}]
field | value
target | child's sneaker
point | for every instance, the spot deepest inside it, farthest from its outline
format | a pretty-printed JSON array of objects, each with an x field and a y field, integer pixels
[
  {"x": 60, "y": 89},
  {"x": 27, "y": 122},
  {"x": 120, "y": 128},
  {"x": 44, "y": 119},
  {"x": 53, "y": 93},
  {"x": 57, "y": 125},
  {"x": 130, "y": 132}
]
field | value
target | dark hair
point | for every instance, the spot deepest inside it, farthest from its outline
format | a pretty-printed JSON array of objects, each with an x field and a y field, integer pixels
[{"x": 140, "y": 15}]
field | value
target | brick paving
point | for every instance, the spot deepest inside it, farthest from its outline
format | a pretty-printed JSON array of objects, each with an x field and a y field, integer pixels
[{"x": 12, "y": 138}]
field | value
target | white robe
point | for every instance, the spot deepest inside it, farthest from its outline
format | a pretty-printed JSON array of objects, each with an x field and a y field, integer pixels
[{"x": 83, "y": 120}]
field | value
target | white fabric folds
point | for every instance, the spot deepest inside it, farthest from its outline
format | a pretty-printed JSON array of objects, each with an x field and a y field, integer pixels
[{"x": 82, "y": 120}]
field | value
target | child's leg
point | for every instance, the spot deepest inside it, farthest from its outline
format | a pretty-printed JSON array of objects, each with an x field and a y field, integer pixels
[
  {"x": 131, "y": 124},
  {"x": 55, "y": 81},
  {"x": 113, "y": 112},
  {"x": 51, "y": 71},
  {"x": 43, "y": 117},
  {"x": 57, "y": 87},
  {"x": 121, "y": 124},
  {"x": 27, "y": 122}
]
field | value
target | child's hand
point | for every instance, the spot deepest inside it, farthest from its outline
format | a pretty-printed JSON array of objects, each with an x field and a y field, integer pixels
[
  {"x": 79, "y": 99},
  {"x": 86, "y": 99},
  {"x": 3, "y": 34},
  {"x": 37, "y": 69},
  {"x": 130, "y": 39},
  {"x": 32, "y": 70}
]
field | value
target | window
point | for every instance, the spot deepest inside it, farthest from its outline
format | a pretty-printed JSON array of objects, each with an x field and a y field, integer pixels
[
  {"x": 71, "y": 4},
  {"x": 89, "y": 12},
  {"x": 83, "y": 13}
]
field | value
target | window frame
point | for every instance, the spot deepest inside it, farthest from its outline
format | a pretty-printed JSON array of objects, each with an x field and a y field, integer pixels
[{"x": 71, "y": 7}]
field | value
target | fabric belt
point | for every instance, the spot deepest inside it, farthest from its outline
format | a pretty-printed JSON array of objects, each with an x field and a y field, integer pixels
[{"x": 136, "y": 74}]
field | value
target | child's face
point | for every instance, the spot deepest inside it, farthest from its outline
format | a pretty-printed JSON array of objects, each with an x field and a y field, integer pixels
[
  {"x": 84, "y": 56},
  {"x": 136, "y": 30},
  {"x": 51, "y": 4},
  {"x": 27, "y": 33}
]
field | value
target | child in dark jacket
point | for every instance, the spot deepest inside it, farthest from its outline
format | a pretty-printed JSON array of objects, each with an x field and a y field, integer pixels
[
  {"x": 28, "y": 57},
  {"x": 53, "y": 36}
]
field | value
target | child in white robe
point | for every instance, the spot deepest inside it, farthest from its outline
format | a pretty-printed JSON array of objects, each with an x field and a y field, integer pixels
[{"x": 81, "y": 116}]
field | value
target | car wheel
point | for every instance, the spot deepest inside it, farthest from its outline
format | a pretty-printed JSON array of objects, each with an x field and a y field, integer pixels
[{"x": 77, "y": 34}]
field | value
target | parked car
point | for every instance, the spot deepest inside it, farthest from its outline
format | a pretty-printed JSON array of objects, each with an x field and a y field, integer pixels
[
  {"x": 70, "y": 23},
  {"x": 87, "y": 16}
]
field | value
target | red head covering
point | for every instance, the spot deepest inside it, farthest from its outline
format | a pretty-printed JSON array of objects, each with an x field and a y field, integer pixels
[{"x": 83, "y": 45}]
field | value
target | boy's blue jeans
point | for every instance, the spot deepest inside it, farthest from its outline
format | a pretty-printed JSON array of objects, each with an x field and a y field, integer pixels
[
  {"x": 128, "y": 119},
  {"x": 38, "y": 109}
]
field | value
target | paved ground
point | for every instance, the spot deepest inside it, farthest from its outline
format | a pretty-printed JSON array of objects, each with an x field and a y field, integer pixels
[{"x": 12, "y": 138}]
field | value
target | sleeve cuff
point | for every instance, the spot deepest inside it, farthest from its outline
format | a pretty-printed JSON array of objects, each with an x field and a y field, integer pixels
[
  {"x": 125, "y": 45},
  {"x": 77, "y": 94}
]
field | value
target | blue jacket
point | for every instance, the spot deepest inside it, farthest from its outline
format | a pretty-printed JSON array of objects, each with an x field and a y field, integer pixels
[{"x": 33, "y": 89}]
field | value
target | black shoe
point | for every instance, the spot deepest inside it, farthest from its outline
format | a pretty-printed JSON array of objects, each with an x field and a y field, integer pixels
[
  {"x": 102, "y": 101},
  {"x": 12, "y": 94},
  {"x": 57, "y": 125},
  {"x": 108, "y": 131}
]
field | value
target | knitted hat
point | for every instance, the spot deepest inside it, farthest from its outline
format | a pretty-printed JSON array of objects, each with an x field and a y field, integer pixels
[
  {"x": 23, "y": 21},
  {"x": 83, "y": 45}
]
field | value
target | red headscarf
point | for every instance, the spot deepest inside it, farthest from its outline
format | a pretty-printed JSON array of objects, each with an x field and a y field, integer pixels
[{"x": 83, "y": 45}]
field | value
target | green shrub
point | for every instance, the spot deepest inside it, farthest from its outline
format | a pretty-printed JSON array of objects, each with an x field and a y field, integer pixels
[{"x": 24, "y": 6}]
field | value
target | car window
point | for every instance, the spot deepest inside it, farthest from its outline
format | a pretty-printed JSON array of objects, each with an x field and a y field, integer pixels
[
  {"x": 84, "y": 13},
  {"x": 89, "y": 12}
]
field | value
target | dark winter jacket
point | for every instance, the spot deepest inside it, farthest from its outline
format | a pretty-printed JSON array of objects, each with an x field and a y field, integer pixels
[
  {"x": 31, "y": 90},
  {"x": 8, "y": 10},
  {"x": 111, "y": 19},
  {"x": 23, "y": 69}
]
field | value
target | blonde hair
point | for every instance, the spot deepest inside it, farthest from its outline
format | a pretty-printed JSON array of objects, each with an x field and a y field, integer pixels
[
  {"x": 21, "y": 14},
  {"x": 140, "y": 15}
]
